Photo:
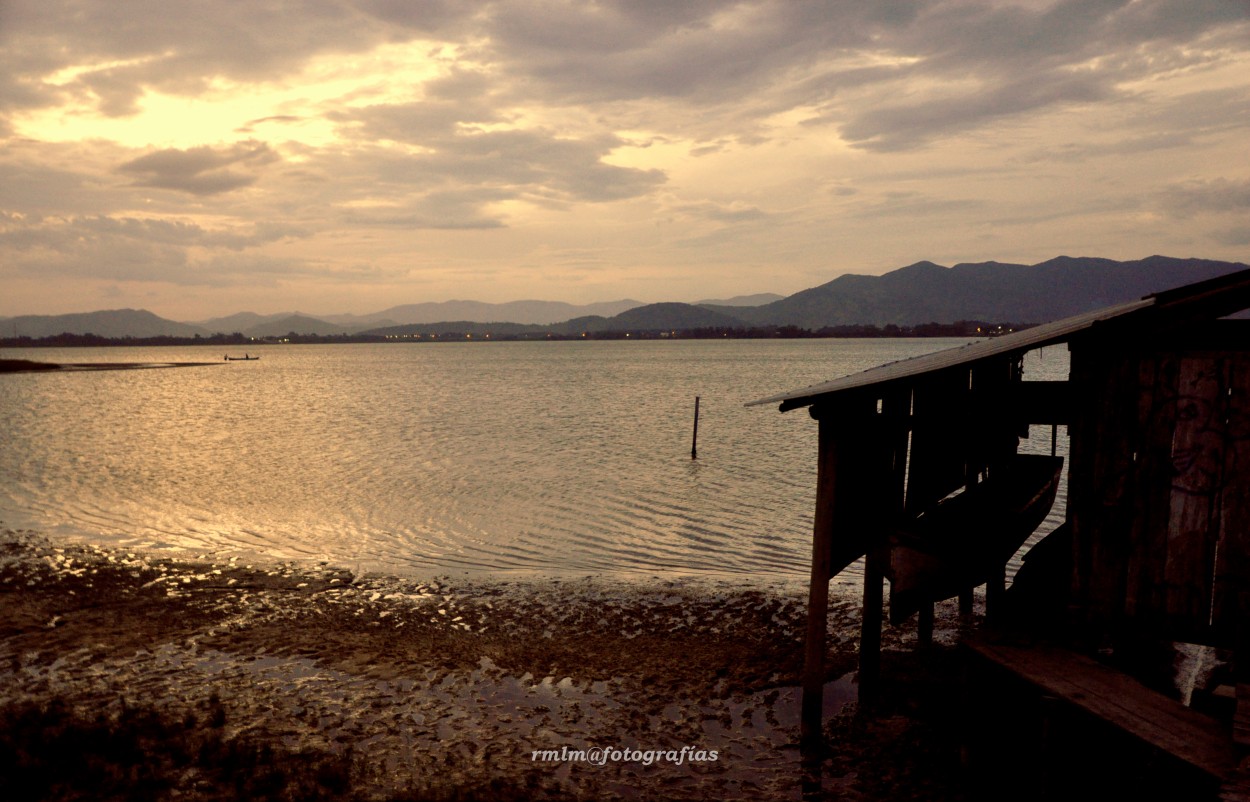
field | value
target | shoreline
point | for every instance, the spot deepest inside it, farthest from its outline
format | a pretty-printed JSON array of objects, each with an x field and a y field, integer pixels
[{"x": 431, "y": 688}]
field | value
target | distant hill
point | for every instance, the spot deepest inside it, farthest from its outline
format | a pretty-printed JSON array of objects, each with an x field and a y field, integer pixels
[
  {"x": 107, "y": 323},
  {"x": 459, "y": 328},
  {"x": 920, "y": 293},
  {"x": 759, "y": 299},
  {"x": 298, "y": 324},
  {"x": 254, "y": 325},
  {"x": 541, "y": 313},
  {"x": 647, "y": 318},
  {"x": 240, "y": 322},
  {"x": 990, "y": 291},
  {"x": 662, "y": 316}
]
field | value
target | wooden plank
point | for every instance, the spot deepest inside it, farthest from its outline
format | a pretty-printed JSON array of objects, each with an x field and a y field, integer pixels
[
  {"x": 896, "y": 428},
  {"x": 1156, "y": 410},
  {"x": 1100, "y": 484},
  {"x": 1231, "y": 601},
  {"x": 996, "y": 426},
  {"x": 1197, "y": 487},
  {"x": 1081, "y": 446},
  {"x": 938, "y": 464},
  {"x": 1241, "y": 718},
  {"x": 1120, "y": 700}
]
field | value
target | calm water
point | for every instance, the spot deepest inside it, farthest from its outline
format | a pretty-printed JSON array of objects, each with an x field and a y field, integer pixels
[{"x": 550, "y": 457}]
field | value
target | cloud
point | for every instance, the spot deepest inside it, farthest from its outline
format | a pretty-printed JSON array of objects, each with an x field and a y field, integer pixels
[
  {"x": 914, "y": 204},
  {"x": 126, "y": 248},
  {"x": 725, "y": 213},
  {"x": 701, "y": 52},
  {"x": 203, "y": 170},
  {"x": 706, "y": 65},
  {"x": 119, "y": 50},
  {"x": 1218, "y": 196},
  {"x": 536, "y": 165},
  {"x": 480, "y": 135},
  {"x": 907, "y": 126},
  {"x": 1237, "y": 237},
  {"x": 986, "y": 64},
  {"x": 448, "y": 210}
]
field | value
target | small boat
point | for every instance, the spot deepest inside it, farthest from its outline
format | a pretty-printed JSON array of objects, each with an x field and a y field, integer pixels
[
  {"x": 244, "y": 358},
  {"x": 959, "y": 543}
]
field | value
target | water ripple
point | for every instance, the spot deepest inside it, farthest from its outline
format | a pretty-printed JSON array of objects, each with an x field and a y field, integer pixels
[{"x": 500, "y": 457}]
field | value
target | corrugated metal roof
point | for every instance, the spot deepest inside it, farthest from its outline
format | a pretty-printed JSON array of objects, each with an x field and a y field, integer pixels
[{"x": 1020, "y": 341}]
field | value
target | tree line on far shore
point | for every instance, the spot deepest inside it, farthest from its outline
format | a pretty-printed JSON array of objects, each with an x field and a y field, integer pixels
[{"x": 482, "y": 333}]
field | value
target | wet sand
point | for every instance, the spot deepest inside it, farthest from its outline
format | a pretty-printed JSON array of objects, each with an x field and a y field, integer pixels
[{"x": 297, "y": 681}]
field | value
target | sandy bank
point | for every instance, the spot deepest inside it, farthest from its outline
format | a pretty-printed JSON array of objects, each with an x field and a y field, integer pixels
[
  {"x": 391, "y": 688},
  {"x": 29, "y": 366}
]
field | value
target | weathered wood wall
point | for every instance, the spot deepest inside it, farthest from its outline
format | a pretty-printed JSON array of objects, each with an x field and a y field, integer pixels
[{"x": 1159, "y": 491}]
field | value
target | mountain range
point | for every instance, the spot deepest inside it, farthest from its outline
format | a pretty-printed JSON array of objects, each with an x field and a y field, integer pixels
[{"x": 917, "y": 294}]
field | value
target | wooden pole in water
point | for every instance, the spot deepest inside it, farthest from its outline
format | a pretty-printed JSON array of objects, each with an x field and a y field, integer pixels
[{"x": 694, "y": 442}]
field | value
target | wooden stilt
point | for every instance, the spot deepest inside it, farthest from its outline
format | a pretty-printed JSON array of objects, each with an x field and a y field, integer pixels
[
  {"x": 851, "y": 496},
  {"x": 870, "y": 630},
  {"x": 810, "y": 723},
  {"x": 1048, "y": 752},
  {"x": 924, "y": 626},
  {"x": 995, "y": 590},
  {"x": 965, "y": 603}
]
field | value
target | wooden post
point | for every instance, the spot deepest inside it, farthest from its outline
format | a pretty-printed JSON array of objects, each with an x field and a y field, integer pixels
[
  {"x": 694, "y": 442},
  {"x": 852, "y": 472},
  {"x": 995, "y": 590},
  {"x": 870, "y": 628},
  {"x": 1049, "y": 757},
  {"x": 811, "y": 723},
  {"x": 924, "y": 625}
]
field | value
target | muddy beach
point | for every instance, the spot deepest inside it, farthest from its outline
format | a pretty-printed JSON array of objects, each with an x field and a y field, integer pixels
[{"x": 127, "y": 675}]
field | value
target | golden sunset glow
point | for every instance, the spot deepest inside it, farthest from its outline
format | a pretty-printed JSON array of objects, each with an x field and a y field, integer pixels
[{"x": 354, "y": 156}]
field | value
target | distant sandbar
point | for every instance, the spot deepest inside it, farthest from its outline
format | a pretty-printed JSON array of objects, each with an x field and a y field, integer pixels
[{"x": 26, "y": 365}]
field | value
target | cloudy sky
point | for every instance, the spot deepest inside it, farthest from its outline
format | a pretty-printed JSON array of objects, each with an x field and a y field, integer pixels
[{"x": 204, "y": 158}]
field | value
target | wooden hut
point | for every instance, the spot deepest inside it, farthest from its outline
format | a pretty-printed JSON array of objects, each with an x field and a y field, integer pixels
[{"x": 919, "y": 460}]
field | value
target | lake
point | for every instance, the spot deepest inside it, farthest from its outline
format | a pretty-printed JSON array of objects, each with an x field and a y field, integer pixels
[{"x": 556, "y": 458}]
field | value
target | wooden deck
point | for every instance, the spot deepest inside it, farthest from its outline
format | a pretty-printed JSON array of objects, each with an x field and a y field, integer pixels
[{"x": 1200, "y": 742}]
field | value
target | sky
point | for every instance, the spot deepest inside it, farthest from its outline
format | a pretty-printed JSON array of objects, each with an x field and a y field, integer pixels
[{"x": 344, "y": 156}]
